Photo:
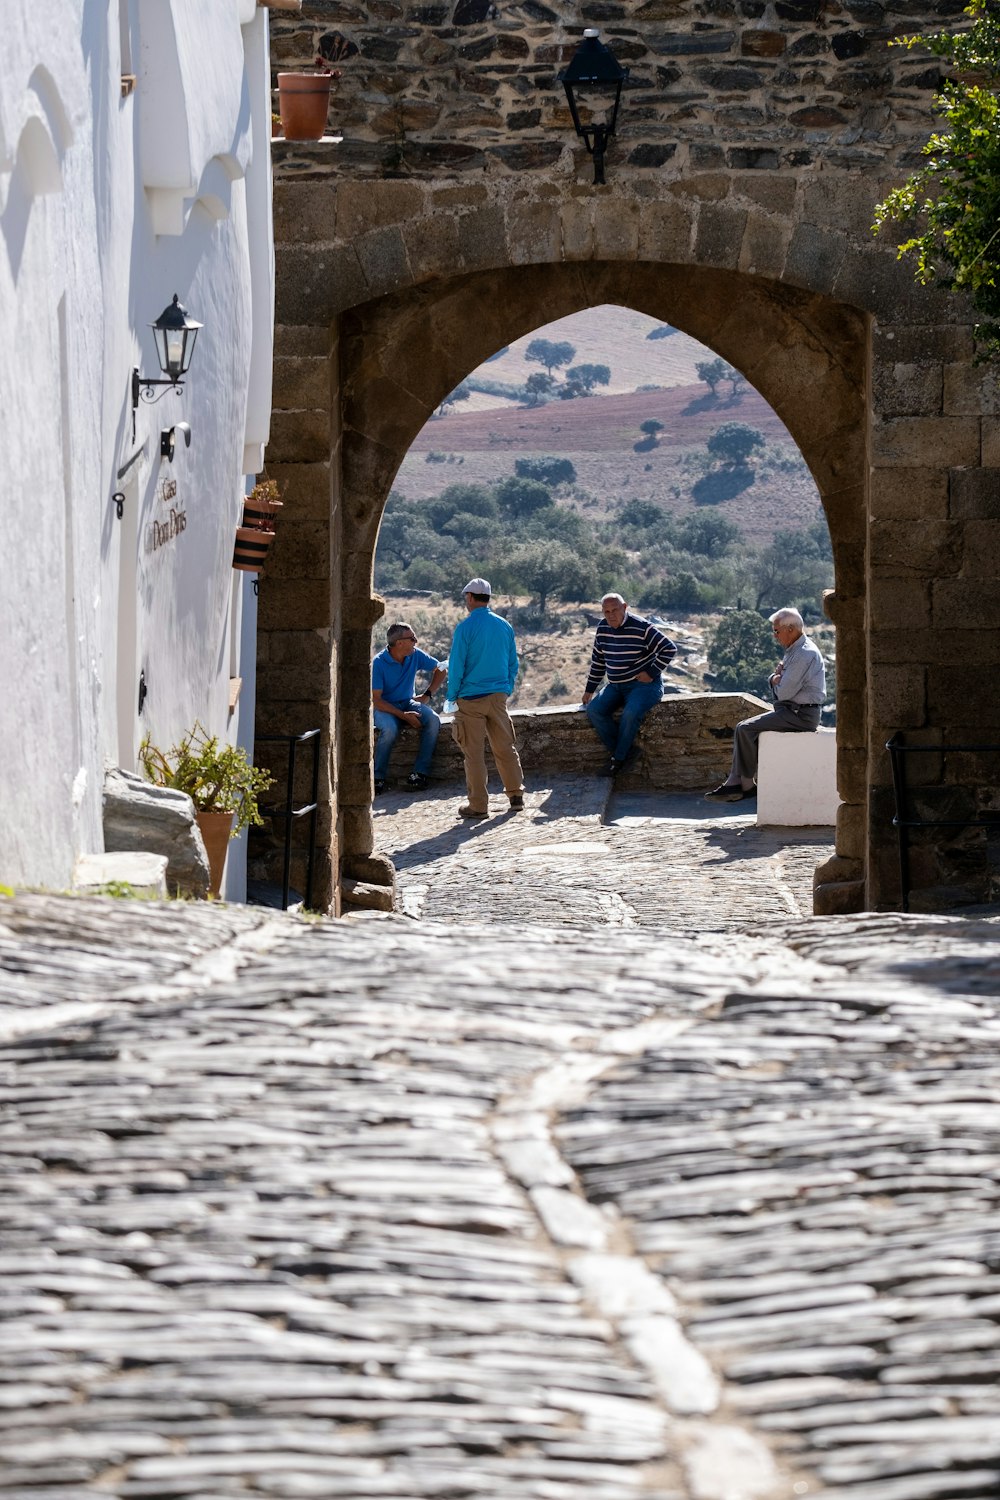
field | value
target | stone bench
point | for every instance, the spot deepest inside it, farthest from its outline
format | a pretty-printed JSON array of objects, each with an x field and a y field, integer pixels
[{"x": 797, "y": 779}]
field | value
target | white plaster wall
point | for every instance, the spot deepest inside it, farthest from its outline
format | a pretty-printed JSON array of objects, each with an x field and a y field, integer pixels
[{"x": 88, "y": 601}]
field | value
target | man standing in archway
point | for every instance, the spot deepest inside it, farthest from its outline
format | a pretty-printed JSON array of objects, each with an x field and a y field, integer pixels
[
  {"x": 634, "y": 654},
  {"x": 482, "y": 671},
  {"x": 798, "y": 684}
]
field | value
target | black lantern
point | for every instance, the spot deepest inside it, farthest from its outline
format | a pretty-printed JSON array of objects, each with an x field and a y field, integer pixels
[
  {"x": 174, "y": 335},
  {"x": 598, "y": 73}
]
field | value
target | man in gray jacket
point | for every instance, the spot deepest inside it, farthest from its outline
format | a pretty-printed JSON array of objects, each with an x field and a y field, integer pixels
[{"x": 798, "y": 685}]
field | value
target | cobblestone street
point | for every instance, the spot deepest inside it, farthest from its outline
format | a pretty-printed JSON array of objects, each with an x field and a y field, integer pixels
[{"x": 606, "y": 1172}]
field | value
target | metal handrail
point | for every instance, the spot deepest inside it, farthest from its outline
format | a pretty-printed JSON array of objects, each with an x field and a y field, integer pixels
[
  {"x": 903, "y": 822},
  {"x": 290, "y": 813}
]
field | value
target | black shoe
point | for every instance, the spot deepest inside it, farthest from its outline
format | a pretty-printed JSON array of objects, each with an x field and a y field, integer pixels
[
  {"x": 725, "y": 793},
  {"x": 380, "y": 787},
  {"x": 516, "y": 802},
  {"x": 416, "y": 781},
  {"x": 612, "y": 768}
]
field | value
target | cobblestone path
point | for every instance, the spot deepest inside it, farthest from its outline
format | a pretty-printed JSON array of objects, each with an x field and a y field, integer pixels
[
  {"x": 574, "y": 857},
  {"x": 408, "y": 1208}
]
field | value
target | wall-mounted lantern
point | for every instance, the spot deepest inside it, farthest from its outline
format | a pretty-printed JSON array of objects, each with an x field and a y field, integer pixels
[
  {"x": 598, "y": 73},
  {"x": 174, "y": 335},
  {"x": 168, "y": 439}
]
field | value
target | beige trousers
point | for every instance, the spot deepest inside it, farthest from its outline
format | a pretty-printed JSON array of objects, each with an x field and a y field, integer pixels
[{"x": 479, "y": 720}]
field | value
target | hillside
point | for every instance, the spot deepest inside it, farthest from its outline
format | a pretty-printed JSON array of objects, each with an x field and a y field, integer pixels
[{"x": 601, "y": 435}]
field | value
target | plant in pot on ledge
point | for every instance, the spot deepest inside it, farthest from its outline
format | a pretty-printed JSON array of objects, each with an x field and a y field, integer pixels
[
  {"x": 254, "y": 537},
  {"x": 304, "y": 98},
  {"x": 220, "y": 780}
]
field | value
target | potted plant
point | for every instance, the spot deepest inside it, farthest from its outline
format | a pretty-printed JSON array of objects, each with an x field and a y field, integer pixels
[
  {"x": 255, "y": 535},
  {"x": 222, "y": 783},
  {"x": 304, "y": 98}
]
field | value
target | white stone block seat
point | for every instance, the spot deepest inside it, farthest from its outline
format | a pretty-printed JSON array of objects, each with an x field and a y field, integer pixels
[{"x": 797, "y": 779}]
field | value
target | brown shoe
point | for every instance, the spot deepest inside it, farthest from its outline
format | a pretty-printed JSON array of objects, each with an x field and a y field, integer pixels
[{"x": 465, "y": 811}]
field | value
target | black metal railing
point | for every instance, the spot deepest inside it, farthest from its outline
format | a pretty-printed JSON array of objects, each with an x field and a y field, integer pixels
[
  {"x": 290, "y": 812},
  {"x": 905, "y": 819}
]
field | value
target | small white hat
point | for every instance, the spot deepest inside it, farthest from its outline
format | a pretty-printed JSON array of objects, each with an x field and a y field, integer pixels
[{"x": 478, "y": 586}]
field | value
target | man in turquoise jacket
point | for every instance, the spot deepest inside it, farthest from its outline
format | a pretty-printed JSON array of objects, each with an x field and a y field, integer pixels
[{"x": 482, "y": 670}]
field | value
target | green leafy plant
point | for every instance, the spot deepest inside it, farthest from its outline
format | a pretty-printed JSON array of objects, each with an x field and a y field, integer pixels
[
  {"x": 216, "y": 776},
  {"x": 956, "y": 194}
]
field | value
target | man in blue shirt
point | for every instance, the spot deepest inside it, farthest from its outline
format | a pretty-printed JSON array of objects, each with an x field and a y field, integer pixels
[
  {"x": 798, "y": 685},
  {"x": 482, "y": 671},
  {"x": 634, "y": 654},
  {"x": 394, "y": 673}
]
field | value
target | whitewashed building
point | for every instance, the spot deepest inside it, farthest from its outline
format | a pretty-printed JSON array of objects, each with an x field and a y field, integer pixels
[{"x": 134, "y": 165}]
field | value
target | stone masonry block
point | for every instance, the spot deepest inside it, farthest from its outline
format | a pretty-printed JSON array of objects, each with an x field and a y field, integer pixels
[
  {"x": 990, "y": 440},
  {"x": 301, "y": 549},
  {"x": 616, "y": 230},
  {"x": 955, "y": 599},
  {"x": 937, "y": 442},
  {"x": 313, "y": 284},
  {"x": 851, "y": 830},
  {"x": 665, "y": 231},
  {"x": 772, "y": 191},
  {"x": 304, "y": 212},
  {"x": 365, "y": 205},
  {"x": 898, "y": 695},
  {"x": 981, "y": 555},
  {"x": 303, "y": 341},
  {"x": 534, "y": 232},
  {"x": 577, "y": 229},
  {"x": 301, "y": 383},
  {"x": 900, "y": 390},
  {"x": 305, "y": 488},
  {"x": 307, "y": 648},
  {"x": 356, "y": 832},
  {"x": 970, "y": 390},
  {"x": 719, "y": 234},
  {"x": 814, "y": 257},
  {"x": 851, "y": 720},
  {"x": 875, "y": 280},
  {"x": 382, "y": 257},
  {"x": 925, "y": 343},
  {"x": 843, "y": 201},
  {"x": 901, "y": 602},
  {"x": 299, "y": 437},
  {"x": 482, "y": 238},
  {"x": 955, "y": 697},
  {"x": 932, "y": 549},
  {"x": 765, "y": 245},
  {"x": 974, "y": 494},
  {"x": 909, "y": 494},
  {"x": 431, "y": 246},
  {"x": 307, "y": 602},
  {"x": 852, "y": 774}
]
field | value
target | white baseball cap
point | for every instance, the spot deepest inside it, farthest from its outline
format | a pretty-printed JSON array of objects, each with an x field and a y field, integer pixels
[{"x": 478, "y": 586}]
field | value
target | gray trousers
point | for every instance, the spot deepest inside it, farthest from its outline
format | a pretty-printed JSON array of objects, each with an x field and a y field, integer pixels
[{"x": 784, "y": 718}]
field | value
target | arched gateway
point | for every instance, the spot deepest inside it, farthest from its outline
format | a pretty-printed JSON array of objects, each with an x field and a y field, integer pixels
[{"x": 391, "y": 291}]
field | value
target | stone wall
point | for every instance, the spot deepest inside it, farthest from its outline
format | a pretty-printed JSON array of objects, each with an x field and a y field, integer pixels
[
  {"x": 685, "y": 744},
  {"x": 469, "y": 86}
]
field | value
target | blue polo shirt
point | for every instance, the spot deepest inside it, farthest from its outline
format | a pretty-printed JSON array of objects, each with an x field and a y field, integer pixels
[{"x": 396, "y": 679}]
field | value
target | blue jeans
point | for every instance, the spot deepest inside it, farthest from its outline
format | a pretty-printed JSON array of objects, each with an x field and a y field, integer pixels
[
  {"x": 389, "y": 726},
  {"x": 635, "y": 699}
]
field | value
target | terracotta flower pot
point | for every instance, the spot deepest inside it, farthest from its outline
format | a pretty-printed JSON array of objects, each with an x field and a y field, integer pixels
[
  {"x": 252, "y": 547},
  {"x": 215, "y": 830},
  {"x": 304, "y": 103},
  {"x": 260, "y": 512}
]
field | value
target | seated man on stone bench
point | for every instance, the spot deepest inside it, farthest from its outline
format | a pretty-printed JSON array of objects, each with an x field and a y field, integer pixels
[
  {"x": 798, "y": 685},
  {"x": 394, "y": 673}
]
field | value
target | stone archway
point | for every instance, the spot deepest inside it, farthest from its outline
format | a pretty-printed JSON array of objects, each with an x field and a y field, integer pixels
[{"x": 390, "y": 292}]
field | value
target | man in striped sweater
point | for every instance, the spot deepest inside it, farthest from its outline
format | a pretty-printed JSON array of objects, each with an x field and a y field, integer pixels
[{"x": 634, "y": 655}]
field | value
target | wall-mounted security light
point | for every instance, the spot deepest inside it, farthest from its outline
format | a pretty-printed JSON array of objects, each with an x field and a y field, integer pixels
[
  {"x": 174, "y": 335},
  {"x": 168, "y": 439},
  {"x": 596, "y": 73}
]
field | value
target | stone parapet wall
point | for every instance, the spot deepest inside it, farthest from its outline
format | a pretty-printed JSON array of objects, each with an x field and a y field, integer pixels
[
  {"x": 685, "y": 744},
  {"x": 469, "y": 86}
]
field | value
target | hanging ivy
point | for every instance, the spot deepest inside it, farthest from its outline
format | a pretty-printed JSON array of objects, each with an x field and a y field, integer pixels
[{"x": 955, "y": 195}]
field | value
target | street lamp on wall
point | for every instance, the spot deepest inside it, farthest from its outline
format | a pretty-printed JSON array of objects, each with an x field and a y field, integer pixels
[
  {"x": 595, "y": 71},
  {"x": 174, "y": 335}
]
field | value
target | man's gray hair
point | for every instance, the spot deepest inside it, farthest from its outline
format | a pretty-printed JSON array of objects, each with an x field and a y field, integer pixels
[
  {"x": 394, "y": 632},
  {"x": 617, "y": 597},
  {"x": 787, "y": 617}
]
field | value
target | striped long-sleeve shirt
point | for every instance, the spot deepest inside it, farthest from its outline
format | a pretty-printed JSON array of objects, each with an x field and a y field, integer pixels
[{"x": 634, "y": 646}]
